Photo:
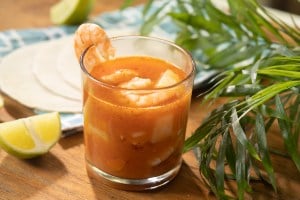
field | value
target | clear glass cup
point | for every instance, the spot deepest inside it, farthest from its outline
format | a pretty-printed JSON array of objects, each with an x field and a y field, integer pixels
[{"x": 130, "y": 144}]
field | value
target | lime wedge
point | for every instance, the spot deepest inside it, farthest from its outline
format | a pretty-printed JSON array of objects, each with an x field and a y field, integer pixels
[
  {"x": 71, "y": 11},
  {"x": 31, "y": 136}
]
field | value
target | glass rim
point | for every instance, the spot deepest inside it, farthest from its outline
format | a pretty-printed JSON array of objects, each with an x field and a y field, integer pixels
[{"x": 188, "y": 54}]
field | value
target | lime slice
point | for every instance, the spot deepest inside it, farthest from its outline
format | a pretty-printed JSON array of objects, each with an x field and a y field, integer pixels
[
  {"x": 31, "y": 136},
  {"x": 71, "y": 11}
]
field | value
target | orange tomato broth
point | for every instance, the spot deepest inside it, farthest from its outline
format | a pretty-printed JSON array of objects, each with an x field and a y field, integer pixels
[{"x": 130, "y": 141}]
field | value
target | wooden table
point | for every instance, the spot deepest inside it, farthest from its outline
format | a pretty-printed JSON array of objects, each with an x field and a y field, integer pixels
[{"x": 61, "y": 174}]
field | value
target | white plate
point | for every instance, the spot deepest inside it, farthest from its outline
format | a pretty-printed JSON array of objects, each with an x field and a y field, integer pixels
[
  {"x": 46, "y": 64},
  {"x": 18, "y": 81}
]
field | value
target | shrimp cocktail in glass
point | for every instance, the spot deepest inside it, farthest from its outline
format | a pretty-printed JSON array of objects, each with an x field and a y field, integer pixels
[{"x": 136, "y": 99}]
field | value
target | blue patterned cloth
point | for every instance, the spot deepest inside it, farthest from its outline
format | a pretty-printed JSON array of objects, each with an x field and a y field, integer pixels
[{"x": 14, "y": 38}]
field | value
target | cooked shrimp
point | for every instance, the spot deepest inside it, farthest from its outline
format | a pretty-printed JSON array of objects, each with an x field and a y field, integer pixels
[
  {"x": 89, "y": 34},
  {"x": 119, "y": 76}
]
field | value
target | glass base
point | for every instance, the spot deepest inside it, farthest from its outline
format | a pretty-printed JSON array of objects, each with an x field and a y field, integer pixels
[{"x": 132, "y": 184}]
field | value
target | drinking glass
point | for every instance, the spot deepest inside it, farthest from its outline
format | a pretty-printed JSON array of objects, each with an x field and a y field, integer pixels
[{"x": 134, "y": 137}]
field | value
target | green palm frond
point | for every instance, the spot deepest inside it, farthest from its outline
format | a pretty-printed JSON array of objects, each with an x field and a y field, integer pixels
[{"x": 258, "y": 60}]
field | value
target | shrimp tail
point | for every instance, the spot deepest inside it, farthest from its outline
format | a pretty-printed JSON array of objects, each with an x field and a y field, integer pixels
[{"x": 89, "y": 34}]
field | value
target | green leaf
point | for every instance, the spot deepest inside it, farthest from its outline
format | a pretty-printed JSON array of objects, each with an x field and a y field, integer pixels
[
  {"x": 147, "y": 7},
  {"x": 241, "y": 136},
  {"x": 193, "y": 41},
  {"x": 241, "y": 170},
  {"x": 288, "y": 138},
  {"x": 225, "y": 55},
  {"x": 220, "y": 163},
  {"x": 207, "y": 151},
  {"x": 281, "y": 73},
  {"x": 223, "y": 18},
  {"x": 230, "y": 154},
  {"x": 199, "y": 134},
  {"x": 263, "y": 148},
  {"x": 241, "y": 90},
  {"x": 267, "y": 93},
  {"x": 197, "y": 21},
  {"x": 209, "y": 125},
  {"x": 295, "y": 115},
  {"x": 271, "y": 113},
  {"x": 287, "y": 67},
  {"x": 154, "y": 19},
  {"x": 220, "y": 87}
]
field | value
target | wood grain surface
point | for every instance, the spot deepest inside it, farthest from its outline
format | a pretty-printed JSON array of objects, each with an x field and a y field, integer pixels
[{"x": 61, "y": 174}]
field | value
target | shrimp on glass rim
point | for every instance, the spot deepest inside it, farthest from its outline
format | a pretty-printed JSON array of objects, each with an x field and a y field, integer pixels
[{"x": 89, "y": 34}]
